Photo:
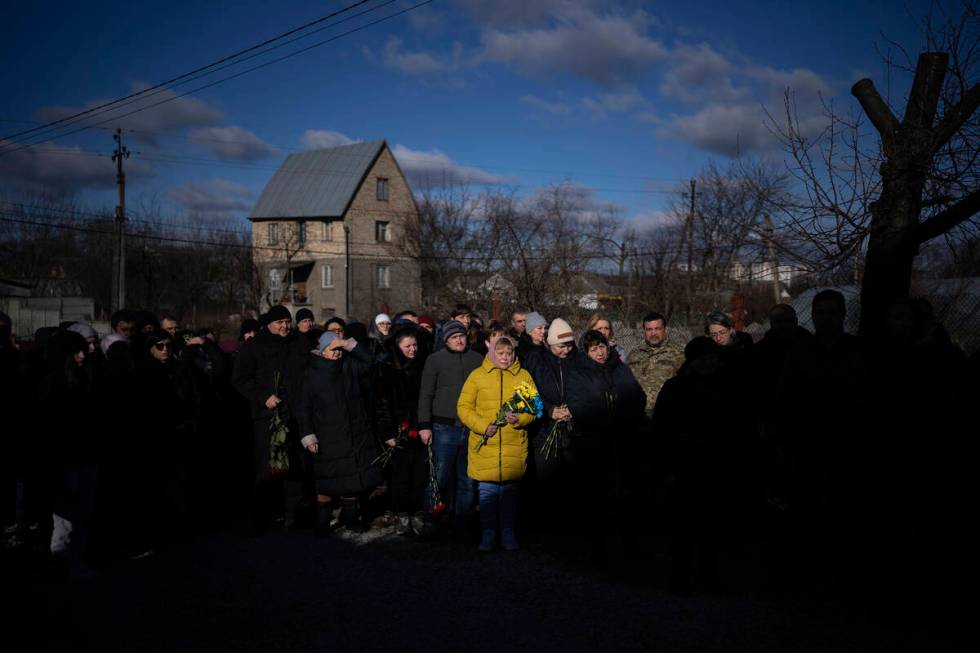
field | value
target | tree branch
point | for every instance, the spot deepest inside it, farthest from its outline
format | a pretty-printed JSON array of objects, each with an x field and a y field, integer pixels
[
  {"x": 945, "y": 220},
  {"x": 881, "y": 116},
  {"x": 956, "y": 117}
]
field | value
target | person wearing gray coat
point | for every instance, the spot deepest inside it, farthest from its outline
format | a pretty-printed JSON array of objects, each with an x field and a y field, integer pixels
[{"x": 443, "y": 377}]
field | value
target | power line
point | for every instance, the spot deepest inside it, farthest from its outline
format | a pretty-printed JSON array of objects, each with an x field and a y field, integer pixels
[
  {"x": 228, "y": 78},
  {"x": 18, "y": 219},
  {"x": 196, "y": 71}
]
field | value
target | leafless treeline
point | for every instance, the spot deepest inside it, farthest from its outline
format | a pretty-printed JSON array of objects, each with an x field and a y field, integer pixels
[{"x": 195, "y": 268}]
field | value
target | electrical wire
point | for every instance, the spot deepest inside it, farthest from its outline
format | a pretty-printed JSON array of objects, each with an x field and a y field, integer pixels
[{"x": 225, "y": 79}]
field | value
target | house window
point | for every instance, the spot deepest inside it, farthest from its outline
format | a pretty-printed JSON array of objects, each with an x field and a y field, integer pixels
[
  {"x": 382, "y": 189},
  {"x": 275, "y": 281},
  {"x": 273, "y": 233},
  {"x": 326, "y": 276},
  {"x": 327, "y": 231},
  {"x": 384, "y": 276},
  {"x": 382, "y": 231},
  {"x": 301, "y": 232}
]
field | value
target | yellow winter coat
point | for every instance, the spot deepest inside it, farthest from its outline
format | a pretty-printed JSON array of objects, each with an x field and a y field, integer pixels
[{"x": 504, "y": 456}]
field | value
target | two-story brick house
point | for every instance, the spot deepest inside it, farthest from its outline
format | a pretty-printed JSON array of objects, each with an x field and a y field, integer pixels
[{"x": 329, "y": 233}]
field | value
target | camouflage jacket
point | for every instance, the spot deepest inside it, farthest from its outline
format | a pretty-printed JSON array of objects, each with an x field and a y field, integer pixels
[{"x": 652, "y": 366}]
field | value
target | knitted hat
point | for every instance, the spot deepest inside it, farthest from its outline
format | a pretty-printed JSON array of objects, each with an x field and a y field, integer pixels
[
  {"x": 381, "y": 317},
  {"x": 324, "y": 342},
  {"x": 534, "y": 320},
  {"x": 110, "y": 340},
  {"x": 559, "y": 332},
  {"x": 426, "y": 319},
  {"x": 248, "y": 325},
  {"x": 304, "y": 314},
  {"x": 84, "y": 330},
  {"x": 278, "y": 312},
  {"x": 451, "y": 328}
]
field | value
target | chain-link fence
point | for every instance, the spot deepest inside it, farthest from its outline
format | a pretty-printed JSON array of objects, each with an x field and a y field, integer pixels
[{"x": 955, "y": 304}]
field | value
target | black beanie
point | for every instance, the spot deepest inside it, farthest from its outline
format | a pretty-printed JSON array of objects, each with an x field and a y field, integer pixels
[
  {"x": 304, "y": 314},
  {"x": 451, "y": 328},
  {"x": 278, "y": 312},
  {"x": 249, "y": 325}
]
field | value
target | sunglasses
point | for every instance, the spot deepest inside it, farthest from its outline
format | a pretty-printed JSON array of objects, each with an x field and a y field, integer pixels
[{"x": 160, "y": 346}]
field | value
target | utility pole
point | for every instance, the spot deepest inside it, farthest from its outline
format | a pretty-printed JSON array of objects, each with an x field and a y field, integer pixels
[
  {"x": 119, "y": 254},
  {"x": 347, "y": 272},
  {"x": 773, "y": 263},
  {"x": 690, "y": 250}
]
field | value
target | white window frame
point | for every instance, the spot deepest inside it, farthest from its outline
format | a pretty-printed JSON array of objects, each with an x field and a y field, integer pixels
[
  {"x": 272, "y": 233},
  {"x": 382, "y": 231},
  {"x": 275, "y": 282},
  {"x": 326, "y": 276},
  {"x": 327, "y": 230},
  {"x": 383, "y": 276}
]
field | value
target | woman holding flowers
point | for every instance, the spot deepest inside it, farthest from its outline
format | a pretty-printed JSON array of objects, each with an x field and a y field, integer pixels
[
  {"x": 498, "y": 444},
  {"x": 398, "y": 382}
]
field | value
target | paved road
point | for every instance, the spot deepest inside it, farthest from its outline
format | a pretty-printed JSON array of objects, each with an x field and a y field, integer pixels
[{"x": 289, "y": 592}]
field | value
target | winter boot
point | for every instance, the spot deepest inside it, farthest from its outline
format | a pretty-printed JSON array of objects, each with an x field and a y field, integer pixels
[
  {"x": 324, "y": 515},
  {"x": 404, "y": 524},
  {"x": 488, "y": 541},
  {"x": 508, "y": 540}
]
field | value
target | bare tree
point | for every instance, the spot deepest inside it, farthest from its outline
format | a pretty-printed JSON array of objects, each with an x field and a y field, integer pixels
[{"x": 918, "y": 182}]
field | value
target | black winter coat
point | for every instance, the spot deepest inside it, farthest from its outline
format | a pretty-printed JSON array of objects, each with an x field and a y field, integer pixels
[
  {"x": 605, "y": 400},
  {"x": 551, "y": 376},
  {"x": 256, "y": 366},
  {"x": 331, "y": 406},
  {"x": 397, "y": 395}
]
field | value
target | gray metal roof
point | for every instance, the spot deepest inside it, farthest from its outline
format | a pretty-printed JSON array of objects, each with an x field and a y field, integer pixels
[{"x": 316, "y": 183}]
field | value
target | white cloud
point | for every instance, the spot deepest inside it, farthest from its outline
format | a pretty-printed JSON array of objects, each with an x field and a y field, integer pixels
[
  {"x": 613, "y": 103},
  {"x": 434, "y": 169},
  {"x": 52, "y": 169},
  {"x": 412, "y": 63},
  {"x": 608, "y": 49},
  {"x": 731, "y": 95},
  {"x": 214, "y": 197},
  {"x": 724, "y": 129},
  {"x": 233, "y": 143},
  {"x": 150, "y": 124},
  {"x": 316, "y": 139},
  {"x": 554, "y": 108}
]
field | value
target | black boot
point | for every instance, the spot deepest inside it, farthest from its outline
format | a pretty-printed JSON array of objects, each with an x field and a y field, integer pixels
[{"x": 324, "y": 515}]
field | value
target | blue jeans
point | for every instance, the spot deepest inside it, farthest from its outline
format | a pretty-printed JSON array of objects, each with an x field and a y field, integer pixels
[
  {"x": 449, "y": 449},
  {"x": 498, "y": 504}
]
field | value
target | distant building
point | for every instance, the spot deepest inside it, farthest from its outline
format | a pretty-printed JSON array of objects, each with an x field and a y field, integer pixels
[{"x": 330, "y": 232}]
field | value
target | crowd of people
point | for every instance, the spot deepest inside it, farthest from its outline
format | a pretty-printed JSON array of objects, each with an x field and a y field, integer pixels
[{"x": 826, "y": 456}]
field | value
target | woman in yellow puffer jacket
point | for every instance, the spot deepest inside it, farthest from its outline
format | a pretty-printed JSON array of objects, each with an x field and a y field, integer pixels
[{"x": 502, "y": 461}]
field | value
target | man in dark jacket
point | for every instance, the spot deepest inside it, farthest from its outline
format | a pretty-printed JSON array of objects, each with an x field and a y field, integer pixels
[
  {"x": 268, "y": 372},
  {"x": 443, "y": 377}
]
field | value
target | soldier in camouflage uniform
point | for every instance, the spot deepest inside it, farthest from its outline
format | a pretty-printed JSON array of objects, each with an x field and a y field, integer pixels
[{"x": 656, "y": 360}]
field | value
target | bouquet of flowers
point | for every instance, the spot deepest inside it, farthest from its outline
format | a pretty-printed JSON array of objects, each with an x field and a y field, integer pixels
[
  {"x": 404, "y": 435},
  {"x": 438, "y": 507},
  {"x": 553, "y": 441},
  {"x": 524, "y": 400},
  {"x": 278, "y": 451}
]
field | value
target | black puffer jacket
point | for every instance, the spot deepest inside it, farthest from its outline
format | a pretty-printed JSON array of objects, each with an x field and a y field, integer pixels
[
  {"x": 605, "y": 400},
  {"x": 551, "y": 376},
  {"x": 331, "y": 406}
]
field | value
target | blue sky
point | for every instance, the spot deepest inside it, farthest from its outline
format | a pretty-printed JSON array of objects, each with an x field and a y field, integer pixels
[{"x": 624, "y": 100}]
